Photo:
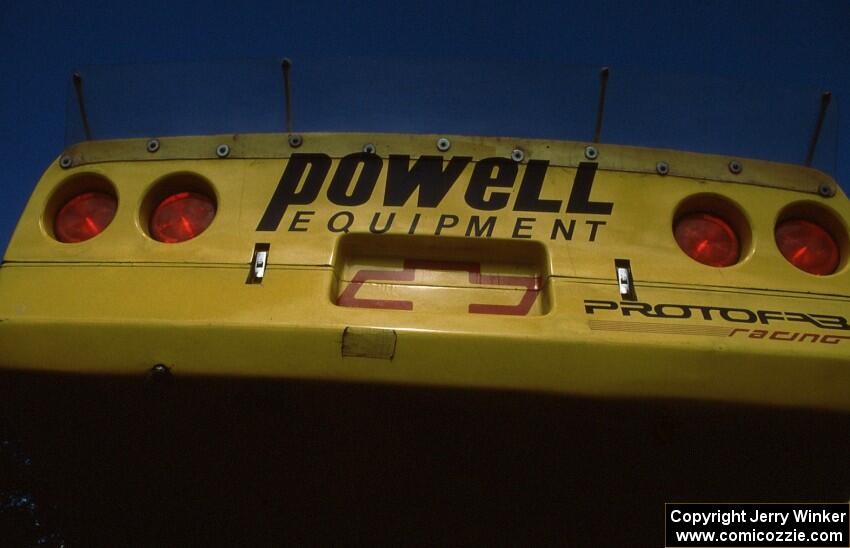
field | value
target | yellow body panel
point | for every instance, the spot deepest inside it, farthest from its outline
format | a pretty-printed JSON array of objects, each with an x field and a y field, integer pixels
[{"x": 122, "y": 302}]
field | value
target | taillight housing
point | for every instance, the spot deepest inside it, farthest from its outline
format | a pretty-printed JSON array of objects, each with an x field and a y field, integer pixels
[
  {"x": 84, "y": 216},
  {"x": 808, "y": 246},
  {"x": 708, "y": 239},
  {"x": 181, "y": 216}
]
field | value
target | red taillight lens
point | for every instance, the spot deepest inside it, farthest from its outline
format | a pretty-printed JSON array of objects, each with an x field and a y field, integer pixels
[
  {"x": 84, "y": 216},
  {"x": 807, "y": 246},
  {"x": 707, "y": 239},
  {"x": 181, "y": 217}
]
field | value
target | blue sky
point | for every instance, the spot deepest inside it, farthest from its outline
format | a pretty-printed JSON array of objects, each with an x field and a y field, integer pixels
[{"x": 795, "y": 43}]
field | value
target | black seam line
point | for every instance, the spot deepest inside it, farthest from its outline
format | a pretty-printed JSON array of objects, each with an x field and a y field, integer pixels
[
  {"x": 647, "y": 171},
  {"x": 425, "y": 151},
  {"x": 544, "y": 278},
  {"x": 121, "y": 264},
  {"x": 750, "y": 182},
  {"x": 715, "y": 289},
  {"x": 153, "y": 264}
]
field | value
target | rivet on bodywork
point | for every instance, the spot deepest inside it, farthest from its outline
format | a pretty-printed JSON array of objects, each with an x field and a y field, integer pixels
[
  {"x": 443, "y": 144},
  {"x": 160, "y": 374},
  {"x": 222, "y": 151},
  {"x": 735, "y": 167},
  {"x": 591, "y": 153},
  {"x": 152, "y": 145},
  {"x": 369, "y": 148},
  {"x": 826, "y": 190},
  {"x": 65, "y": 162},
  {"x": 159, "y": 378},
  {"x": 295, "y": 141},
  {"x": 662, "y": 168},
  {"x": 517, "y": 155}
]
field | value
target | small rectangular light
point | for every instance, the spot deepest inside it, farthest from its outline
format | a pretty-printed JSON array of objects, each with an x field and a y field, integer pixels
[{"x": 623, "y": 279}]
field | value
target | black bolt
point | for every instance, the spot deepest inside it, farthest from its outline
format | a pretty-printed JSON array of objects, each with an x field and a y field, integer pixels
[{"x": 735, "y": 167}]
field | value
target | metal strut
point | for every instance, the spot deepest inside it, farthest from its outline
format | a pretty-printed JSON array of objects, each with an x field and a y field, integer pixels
[
  {"x": 285, "y": 65},
  {"x": 603, "y": 86},
  {"x": 824, "y": 105},
  {"x": 78, "y": 87}
]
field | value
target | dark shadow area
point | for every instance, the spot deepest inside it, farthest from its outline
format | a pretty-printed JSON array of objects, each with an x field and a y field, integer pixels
[{"x": 220, "y": 462}]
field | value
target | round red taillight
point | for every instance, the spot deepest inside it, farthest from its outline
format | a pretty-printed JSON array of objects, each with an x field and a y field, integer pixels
[
  {"x": 708, "y": 239},
  {"x": 84, "y": 216},
  {"x": 807, "y": 246},
  {"x": 181, "y": 217}
]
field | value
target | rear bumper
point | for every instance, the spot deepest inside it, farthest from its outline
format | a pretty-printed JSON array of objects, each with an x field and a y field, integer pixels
[{"x": 206, "y": 321}]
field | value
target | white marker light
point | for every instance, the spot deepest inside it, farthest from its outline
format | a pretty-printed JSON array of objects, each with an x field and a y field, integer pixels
[
  {"x": 260, "y": 264},
  {"x": 623, "y": 279}
]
